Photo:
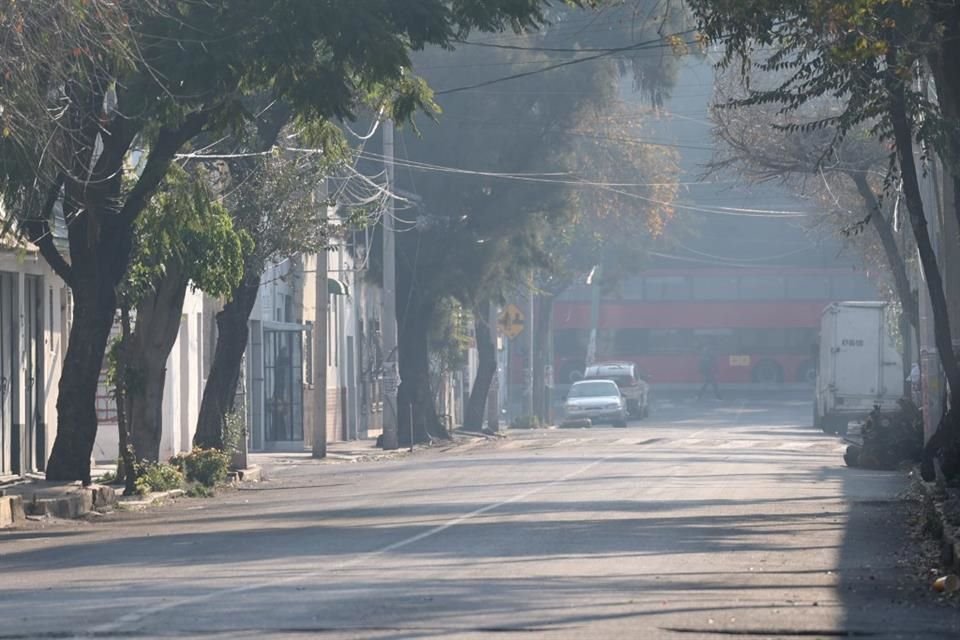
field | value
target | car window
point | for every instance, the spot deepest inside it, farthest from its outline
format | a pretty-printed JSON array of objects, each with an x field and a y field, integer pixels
[{"x": 593, "y": 389}]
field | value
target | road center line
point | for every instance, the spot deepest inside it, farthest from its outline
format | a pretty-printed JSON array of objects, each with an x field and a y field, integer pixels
[{"x": 135, "y": 617}]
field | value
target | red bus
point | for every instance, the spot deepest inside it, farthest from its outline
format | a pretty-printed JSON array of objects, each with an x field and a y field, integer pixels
[{"x": 762, "y": 323}]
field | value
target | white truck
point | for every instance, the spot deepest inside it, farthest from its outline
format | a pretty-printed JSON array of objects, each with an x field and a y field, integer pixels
[{"x": 858, "y": 366}]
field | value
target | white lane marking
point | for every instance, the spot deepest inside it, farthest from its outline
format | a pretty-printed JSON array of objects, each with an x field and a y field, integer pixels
[{"x": 135, "y": 617}]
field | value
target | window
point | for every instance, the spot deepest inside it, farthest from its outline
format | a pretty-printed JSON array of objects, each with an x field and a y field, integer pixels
[
  {"x": 715, "y": 288},
  {"x": 762, "y": 288},
  {"x": 671, "y": 341},
  {"x": 666, "y": 288},
  {"x": 570, "y": 343},
  {"x": 762, "y": 340},
  {"x": 631, "y": 342}
]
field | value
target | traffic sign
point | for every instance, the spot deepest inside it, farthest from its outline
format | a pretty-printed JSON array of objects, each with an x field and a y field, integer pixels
[{"x": 511, "y": 321}]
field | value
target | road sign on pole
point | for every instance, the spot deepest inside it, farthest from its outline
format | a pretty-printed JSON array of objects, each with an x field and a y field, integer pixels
[{"x": 511, "y": 321}]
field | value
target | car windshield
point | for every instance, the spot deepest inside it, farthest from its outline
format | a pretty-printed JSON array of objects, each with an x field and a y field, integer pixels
[{"x": 593, "y": 389}]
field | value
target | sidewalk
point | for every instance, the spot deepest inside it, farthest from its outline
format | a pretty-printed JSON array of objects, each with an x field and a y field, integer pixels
[{"x": 365, "y": 450}]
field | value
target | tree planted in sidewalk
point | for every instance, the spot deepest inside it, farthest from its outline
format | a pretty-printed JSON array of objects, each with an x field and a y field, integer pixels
[{"x": 185, "y": 238}]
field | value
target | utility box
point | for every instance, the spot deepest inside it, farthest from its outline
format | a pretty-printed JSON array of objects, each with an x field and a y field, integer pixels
[{"x": 858, "y": 367}]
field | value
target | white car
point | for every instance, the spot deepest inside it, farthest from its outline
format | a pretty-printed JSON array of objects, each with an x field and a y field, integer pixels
[{"x": 597, "y": 401}]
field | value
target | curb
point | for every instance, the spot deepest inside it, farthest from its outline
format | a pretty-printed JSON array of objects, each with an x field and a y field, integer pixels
[
  {"x": 11, "y": 511},
  {"x": 73, "y": 505},
  {"x": 137, "y": 503},
  {"x": 253, "y": 473},
  {"x": 939, "y": 527}
]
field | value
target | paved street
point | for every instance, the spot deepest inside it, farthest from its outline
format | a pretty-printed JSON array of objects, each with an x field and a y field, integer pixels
[{"x": 708, "y": 518}]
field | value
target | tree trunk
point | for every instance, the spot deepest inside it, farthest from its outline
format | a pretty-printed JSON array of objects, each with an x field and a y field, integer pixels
[
  {"x": 232, "y": 336},
  {"x": 943, "y": 442},
  {"x": 910, "y": 319},
  {"x": 94, "y": 305},
  {"x": 156, "y": 331},
  {"x": 415, "y": 399},
  {"x": 486, "y": 369},
  {"x": 903, "y": 134},
  {"x": 542, "y": 321},
  {"x": 126, "y": 465}
]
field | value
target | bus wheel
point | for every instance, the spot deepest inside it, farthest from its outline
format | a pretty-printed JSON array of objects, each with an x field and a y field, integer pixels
[{"x": 767, "y": 372}]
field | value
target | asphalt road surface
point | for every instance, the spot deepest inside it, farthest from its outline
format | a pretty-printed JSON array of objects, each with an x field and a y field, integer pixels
[{"x": 708, "y": 520}]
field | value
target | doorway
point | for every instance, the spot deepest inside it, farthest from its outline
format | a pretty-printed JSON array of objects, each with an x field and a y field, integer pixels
[
  {"x": 8, "y": 373},
  {"x": 283, "y": 388}
]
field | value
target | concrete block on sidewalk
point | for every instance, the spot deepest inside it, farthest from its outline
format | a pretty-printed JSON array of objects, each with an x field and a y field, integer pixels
[{"x": 11, "y": 511}]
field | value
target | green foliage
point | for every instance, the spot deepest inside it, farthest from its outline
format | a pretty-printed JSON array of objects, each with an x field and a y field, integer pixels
[
  {"x": 208, "y": 467},
  {"x": 234, "y": 431},
  {"x": 848, "y": 50},
  {"x": 183, "y": 223},
  {"x": 200, "y": 491},
  {"x": 480, "y": 233},
  {"x": 451, "y": 337},
  {"x": 156, "y": 477}
]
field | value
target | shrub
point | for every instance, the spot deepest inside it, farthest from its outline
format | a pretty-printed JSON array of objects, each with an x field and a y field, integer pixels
[
  {"x": 157, "y": 477},
  {"x": 234, "y": 432},
  {"x": 208, "y": 467}
]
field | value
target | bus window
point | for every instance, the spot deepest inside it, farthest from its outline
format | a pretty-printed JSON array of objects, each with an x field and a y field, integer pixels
[
  {"x": 570, "y": 343},
  {"x": 808, "y": 287},
  {"x": 762, "y": 288},
  {"x": 715, "y": 288},
  {"x": 631, "y": 342},
  {"x": 671, "y": 341},
  {"x": 666, "y": 288}
]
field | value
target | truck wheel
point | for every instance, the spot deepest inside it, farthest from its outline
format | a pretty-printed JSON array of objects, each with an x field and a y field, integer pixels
[{"x": 620, "y": 424}]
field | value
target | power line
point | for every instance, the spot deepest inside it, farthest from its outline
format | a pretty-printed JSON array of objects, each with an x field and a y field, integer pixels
[{"x": 649, "y": 44}]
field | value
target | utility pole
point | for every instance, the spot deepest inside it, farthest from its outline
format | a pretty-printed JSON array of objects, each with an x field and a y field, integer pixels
[
  {"x": 391, "y": 369},
  {"x": 493, "y": 396},
  {"x": 594, "y": 281},
  {"x": 531, "y": 347},
  {"x": 320, "y": 358}
]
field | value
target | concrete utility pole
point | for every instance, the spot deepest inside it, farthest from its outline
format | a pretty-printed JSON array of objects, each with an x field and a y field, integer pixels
[
  {"x": 493, "y": 395},
  {"x": 594, "y": 281},
  {"x": 320, "y": 359},
  {"x": 391, "y": 369},
  {"x": 531, "y": 346}
]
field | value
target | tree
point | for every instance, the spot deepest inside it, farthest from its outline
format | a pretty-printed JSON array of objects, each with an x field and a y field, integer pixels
[
  {"x": 759, "y": 143},
  {"x": 273, "y": 199},
  {"x": 154, "y": 75},
  {"x": 867, "y": 54},
  {"x": 499, "y": 173},
  {"x": 184, "y": 239}
]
